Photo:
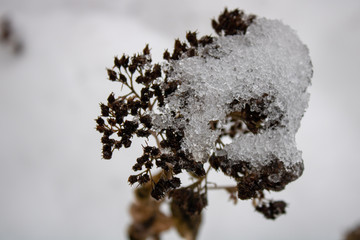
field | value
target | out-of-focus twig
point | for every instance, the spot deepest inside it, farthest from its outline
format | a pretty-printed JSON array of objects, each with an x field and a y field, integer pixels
[{"x": 8, "y": 35}]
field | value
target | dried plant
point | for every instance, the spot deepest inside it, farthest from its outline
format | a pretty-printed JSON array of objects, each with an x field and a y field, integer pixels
[
  {"x": 353, "y": 234},
  {"x": 9, "y": 37},
  {"x": 195, "y": 133}
]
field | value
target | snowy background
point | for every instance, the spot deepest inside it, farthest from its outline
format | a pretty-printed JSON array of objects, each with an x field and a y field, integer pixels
[{"x": 53, "y": 183}]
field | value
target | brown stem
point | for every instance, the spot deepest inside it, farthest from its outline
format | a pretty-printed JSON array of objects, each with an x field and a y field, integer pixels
[
  {"x": 153, "y": 133},
  {"x": 222, "y": 187}
]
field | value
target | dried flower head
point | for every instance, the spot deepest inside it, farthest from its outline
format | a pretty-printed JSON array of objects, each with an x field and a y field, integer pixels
[{"x": 232, "y": 102}]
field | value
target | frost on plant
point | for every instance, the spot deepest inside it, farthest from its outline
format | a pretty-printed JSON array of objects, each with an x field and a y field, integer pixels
[{"x": 233, "y": 102}]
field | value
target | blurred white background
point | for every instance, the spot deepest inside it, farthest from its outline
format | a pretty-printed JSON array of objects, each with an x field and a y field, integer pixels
[{"x": 53, "y": 182}]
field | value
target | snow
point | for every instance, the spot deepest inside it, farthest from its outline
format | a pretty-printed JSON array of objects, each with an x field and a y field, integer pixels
[{"x": 269, "y": 59}]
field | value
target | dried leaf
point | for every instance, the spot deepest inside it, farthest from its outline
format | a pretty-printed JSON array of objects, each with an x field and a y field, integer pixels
[
  {"x": 233, "y": 194},
  {"x": 186, "y": 225}
]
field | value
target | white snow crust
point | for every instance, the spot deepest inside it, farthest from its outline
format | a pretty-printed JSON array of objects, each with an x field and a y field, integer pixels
[{"x": 269, "y": 59}]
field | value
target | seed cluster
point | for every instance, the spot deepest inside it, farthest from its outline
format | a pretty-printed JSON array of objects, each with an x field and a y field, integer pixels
[
  {"x": 252, "y": 182},
  {"x": 272, "y": 209},
  {"x": 130, "y": 115},
  {"x": 233, "y": 22}
]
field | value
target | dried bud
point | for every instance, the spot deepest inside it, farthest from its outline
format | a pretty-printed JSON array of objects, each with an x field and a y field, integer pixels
[
  {"x": 124, "y": 61},
  {"x": 144, "y": 178},
  {"x": 170, "y": 88},
  {"x": 100, "y": 121},
  {"x": 126, "y": 142},
  {"x": 156, "y": 73},
  {"x": 191, "y": 37},
  {"x": 247, "y": 188},
  {"x": 146, "y": 121},
  {"x": 118, "y": 144},
  {"x": 166, "y": 55},
  {"x": 155, "y": 152},
  {"x": 198, "y": 169},
  {"x": 108, "y": 132},
  {"x": 273, "y": 209},
  {"x": 206, "y": 40},
  {"x": 137, "y": 167},
  {"x": 100, "y": 129},
  {"x": 132, "y": 68},
  {"x": 107, "y": 153},
  {"x": 159, "y": 190},
  {"x": 130, "y": 126},
  {"x": 117, "y": 62},
  {"x": 104, "y": 110},
  {"x": 143, "y": 133},
  {"x": 141, "y": 160},
  {"x": 146, "y": 50},
  {"x": 133, "y": 179},
  {"x": 147, "y": 150},
  {"x": 215, "y": 161},
  {"x": 112, "y": 75},
  {"x": 111, "y": 98},
  {"x": 148, "y": 165},
  {"x": 122, "y": 78}
]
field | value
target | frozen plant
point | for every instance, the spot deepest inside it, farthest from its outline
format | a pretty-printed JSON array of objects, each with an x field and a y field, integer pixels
[{"x": 231, "y": 103}]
